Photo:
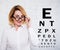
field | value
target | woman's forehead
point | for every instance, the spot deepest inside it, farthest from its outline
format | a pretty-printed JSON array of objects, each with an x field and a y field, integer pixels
[{"x": 17, "y": 12}]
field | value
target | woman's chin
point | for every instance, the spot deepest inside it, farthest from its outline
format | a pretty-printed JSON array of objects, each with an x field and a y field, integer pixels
[{"x": 19, "y": 25}]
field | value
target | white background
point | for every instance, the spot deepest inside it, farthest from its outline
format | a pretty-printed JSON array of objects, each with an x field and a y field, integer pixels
[{"x": 34, "y": 11}]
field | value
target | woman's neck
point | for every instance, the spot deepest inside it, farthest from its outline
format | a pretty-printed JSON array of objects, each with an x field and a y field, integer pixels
[{"x": 17, "y": 26}]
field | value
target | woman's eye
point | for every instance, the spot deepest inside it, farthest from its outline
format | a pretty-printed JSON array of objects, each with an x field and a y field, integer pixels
[{"x": 16, "y": 16}]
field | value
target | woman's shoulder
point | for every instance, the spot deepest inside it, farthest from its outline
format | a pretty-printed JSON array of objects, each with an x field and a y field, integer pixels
[
  {"x": 7, "y": 28},
  {"x": 5, "y": 31}
]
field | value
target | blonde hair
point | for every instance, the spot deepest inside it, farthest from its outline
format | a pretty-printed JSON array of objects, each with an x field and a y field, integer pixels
[{"x": 17, "y": 7}]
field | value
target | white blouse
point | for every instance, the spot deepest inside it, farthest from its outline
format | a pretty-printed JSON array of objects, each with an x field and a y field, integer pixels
[{"x": 17, "y": 40}]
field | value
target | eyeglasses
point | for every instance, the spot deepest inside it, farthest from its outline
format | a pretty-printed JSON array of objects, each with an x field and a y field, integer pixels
[{"x": 17, "y": 17}]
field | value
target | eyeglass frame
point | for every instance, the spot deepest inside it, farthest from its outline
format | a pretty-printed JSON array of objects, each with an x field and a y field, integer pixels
[{"x": 22, "y": 16}]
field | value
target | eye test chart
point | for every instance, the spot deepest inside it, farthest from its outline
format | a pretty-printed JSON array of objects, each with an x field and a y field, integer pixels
[{"x": 45, "y": 20}]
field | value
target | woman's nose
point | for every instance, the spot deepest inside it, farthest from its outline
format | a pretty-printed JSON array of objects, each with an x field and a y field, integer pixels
[{"x": 19, "y": 19}]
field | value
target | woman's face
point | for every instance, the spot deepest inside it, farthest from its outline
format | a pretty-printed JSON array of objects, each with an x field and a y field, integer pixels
[{"x": 18, "y": 18}]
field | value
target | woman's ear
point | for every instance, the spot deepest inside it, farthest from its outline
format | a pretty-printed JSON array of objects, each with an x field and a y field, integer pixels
[{"x": 24, "y": 18}]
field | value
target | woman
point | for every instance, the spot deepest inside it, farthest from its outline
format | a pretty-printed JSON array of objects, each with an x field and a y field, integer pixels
[{"x": 16, "y": 37}]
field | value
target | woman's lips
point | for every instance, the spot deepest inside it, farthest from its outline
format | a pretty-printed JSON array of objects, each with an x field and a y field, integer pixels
[{"x": 19, "y": 21}]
